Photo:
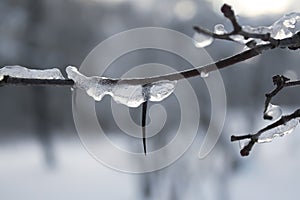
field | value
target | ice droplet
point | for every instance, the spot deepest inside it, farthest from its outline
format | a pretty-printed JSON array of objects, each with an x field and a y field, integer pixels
[
  {"x": 273, "y": 111},
  {"x": 126, "y": 94},
  {"x": 219, "y": 29},
  {"x": 238, "y": 38},
  {"x": 161, "y": 90},
  {"x": 278, "y": 131},
  {"x": 23, "y": 72},
  {"x": 204, "y": 74},
  {"x": 202, "y": 40}
]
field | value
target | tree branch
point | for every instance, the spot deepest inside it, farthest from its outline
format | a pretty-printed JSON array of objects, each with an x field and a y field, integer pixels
[{"x": 292, "y": 43}]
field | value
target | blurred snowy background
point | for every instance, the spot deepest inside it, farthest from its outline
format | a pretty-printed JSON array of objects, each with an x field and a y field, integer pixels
[{"x": 41, "y": 156}]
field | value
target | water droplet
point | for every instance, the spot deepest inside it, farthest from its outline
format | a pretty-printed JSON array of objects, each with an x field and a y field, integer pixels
[
  {"x": 219, "y": 29},
  {"x": 204, "y": 74},
  {"x": 273, "y": 111},
  {"x": 238, "y": 38},
  {"x": 201, "y": 40}
]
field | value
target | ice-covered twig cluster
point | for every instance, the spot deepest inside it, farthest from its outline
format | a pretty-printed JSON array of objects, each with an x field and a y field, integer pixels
[
  {"x": 280, "y": 34},
  {"x": 285, "y": 125}
]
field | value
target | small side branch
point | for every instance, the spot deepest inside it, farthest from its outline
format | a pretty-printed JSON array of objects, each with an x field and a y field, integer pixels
[
  {"x": 280, "y": 82},
  {"x": 254, "y": 138},
  {"x": 237, "y": 30}
]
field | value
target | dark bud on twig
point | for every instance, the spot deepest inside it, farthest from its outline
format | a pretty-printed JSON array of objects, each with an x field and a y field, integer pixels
[
  {"x": 227, "y": 11},
  {"x": 279, "y": 80},
  {"x": 246, "y": 150},
  {"x": 267, "y": 117}
]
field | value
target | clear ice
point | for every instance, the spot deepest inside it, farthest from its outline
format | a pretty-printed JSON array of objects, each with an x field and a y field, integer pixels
[
  {"x": 202, "y": 40},
  {"x": 219, "y": 29},
  {"x": 273, "y": 111},
  {"x": 23, "y": 72},
  {"x": 282, "y": 28},
  {"x": 126, "y": 94},
  {"x": 278, "y": 131}
]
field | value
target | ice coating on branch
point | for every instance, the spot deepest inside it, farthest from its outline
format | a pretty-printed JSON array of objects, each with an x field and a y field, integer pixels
[
  {"x": 202, "y": 40},
  {"x": 281, "y": 130},
  {"x": 126, "y": 94},
  {"x": 282, "y": 28},
  {"x": 161, "y": 89},
  {"x": 239, "y": 39},
  {"x": 94, "y": 86},
  {"x": 273, "y": 111},
  {"x": 23, "y": 72}
]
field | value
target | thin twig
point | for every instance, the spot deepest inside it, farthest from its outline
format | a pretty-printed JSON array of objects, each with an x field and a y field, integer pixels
[{"x": 280, "y": 82}]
